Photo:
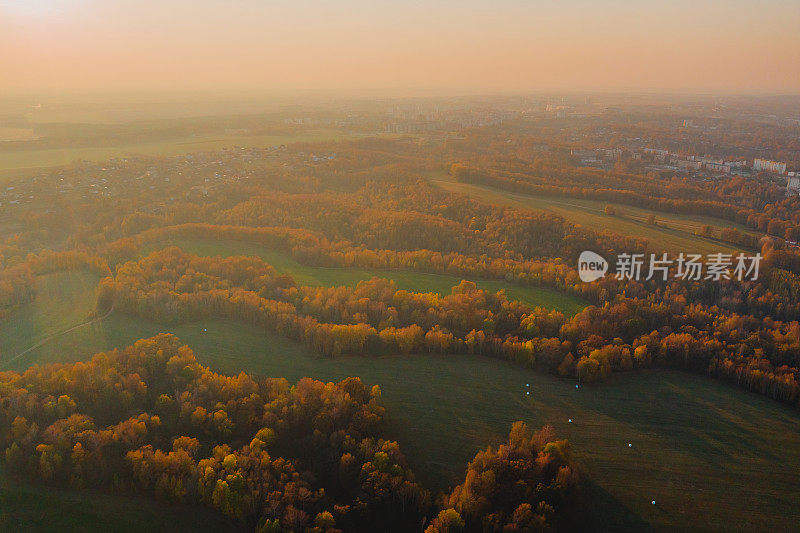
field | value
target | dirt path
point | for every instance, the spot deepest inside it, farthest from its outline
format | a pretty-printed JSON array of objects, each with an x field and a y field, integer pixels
[{"x": 44, "y": 341}]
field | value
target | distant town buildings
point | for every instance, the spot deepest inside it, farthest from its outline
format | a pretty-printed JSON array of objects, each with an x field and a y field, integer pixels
[
  {"x": 686, "y": 164},
  {"x": 724, "y": 167},
  {"x": 769, "y": 166},
  {"x": 588, "y": 158},
  {"x": 672, "y": 161},
  {"x": 558, "y": 111},
  {"x": 793, "y": 186},
  {"x": 416, "y": 119}
]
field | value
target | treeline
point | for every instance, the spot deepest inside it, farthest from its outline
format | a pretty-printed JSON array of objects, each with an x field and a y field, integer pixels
[
  {"x": 565, "y": 172},
  {"x": 399, "y": 218},
  {"x": 18, "y": 282},
  {"x": 769, "y": 220},
  {"x": 645, "y": 327},
  {"x": 527, "y": 484},
  {"x": 17, "y": 286},
  {"x": 374, "y": 317},
  {"x": 48, "y": 261},
  {"x": 738, "y": 238},
  {"x": 273, "y": 457},
  {"x": 314, "y": 249},
  {"x": 397, "y": 221},
  {"x": 414, "y": 217},
  {"x": 466, "y": 174}
]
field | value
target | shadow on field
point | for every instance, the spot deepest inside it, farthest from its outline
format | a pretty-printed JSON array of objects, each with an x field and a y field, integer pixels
[{"x": 607, "y": 513}]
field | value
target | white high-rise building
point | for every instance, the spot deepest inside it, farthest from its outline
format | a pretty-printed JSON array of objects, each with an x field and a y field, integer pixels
[
  {"x": 793, "y": 187},
  {"x": 769, "y": 166}
]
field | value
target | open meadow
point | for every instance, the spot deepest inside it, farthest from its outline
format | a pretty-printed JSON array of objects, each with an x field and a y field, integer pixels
[
  {"x": 38, "y": 508},
  {"x": 698, "y": 446}
]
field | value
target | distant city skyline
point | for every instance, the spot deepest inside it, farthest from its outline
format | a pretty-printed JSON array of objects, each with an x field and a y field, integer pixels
[{"x": 380, "y": 46}]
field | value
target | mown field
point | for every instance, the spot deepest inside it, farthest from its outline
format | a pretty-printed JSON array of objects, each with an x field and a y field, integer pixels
[
  {"x": 405, "y": 279},
  {"x": 700, "y": 448},
  {"x": 672, "y": 233}
]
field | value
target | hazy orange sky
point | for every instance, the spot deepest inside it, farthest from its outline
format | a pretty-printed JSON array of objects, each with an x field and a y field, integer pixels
[{"x": 399, "y": 46}]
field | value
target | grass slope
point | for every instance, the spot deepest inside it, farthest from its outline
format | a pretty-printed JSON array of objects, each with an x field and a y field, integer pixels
[
  {"x": 673, "y": 233},
  {"x": 63, "y": 300},
  {"x": 701, "y": 448},
  {"x": 405, "y": 279},
  {"x": 37, "y": 508}
]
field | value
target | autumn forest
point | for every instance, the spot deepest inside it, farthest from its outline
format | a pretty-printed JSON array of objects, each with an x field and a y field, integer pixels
[{"x": 352, "y": 243}]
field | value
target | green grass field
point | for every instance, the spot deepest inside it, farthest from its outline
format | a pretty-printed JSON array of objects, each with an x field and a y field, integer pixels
[
  {"x": 701, "y": 448},
  {"x": 672, "y": 233},
  {"x": 63, "y": 300},
  {"x": 405, "y": 279},
  {"x": 36, "y": 508}
]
